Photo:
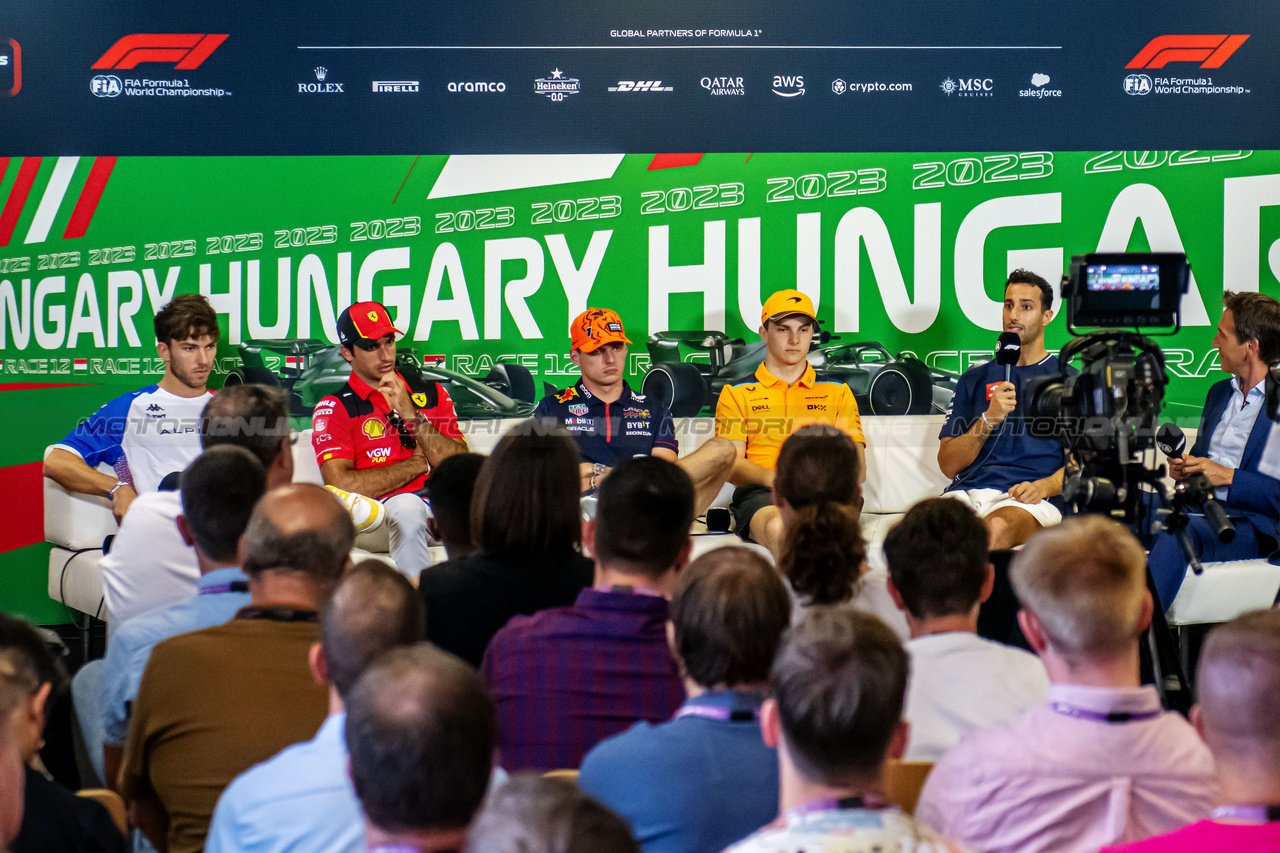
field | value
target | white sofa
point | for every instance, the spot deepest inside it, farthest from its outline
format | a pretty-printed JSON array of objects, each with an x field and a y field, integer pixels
[{"x": 901, "y": 470}]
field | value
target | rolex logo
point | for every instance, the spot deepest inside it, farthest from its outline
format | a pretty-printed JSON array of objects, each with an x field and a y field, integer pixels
[{"x": 321, "y": 72}]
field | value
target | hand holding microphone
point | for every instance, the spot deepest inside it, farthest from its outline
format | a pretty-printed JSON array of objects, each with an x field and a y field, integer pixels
[
  {"x": 1005, "y": 397},
  {"x": 1195, "y": 486}
]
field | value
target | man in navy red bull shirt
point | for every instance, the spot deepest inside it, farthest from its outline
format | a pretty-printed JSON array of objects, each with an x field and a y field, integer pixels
[
  {"x": 610, "y": 422},
  {"x": 377, "y": 437}
]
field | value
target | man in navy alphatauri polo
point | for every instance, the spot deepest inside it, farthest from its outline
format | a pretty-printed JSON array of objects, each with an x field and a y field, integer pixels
[{"x": 610, "y": 422}]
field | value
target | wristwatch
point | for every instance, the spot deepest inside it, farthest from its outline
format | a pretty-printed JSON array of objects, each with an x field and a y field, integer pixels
[{"x": 597, "y": 471}]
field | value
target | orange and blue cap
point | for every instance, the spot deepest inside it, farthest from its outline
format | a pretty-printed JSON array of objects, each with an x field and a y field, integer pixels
[{"x": 596, "y": 327}]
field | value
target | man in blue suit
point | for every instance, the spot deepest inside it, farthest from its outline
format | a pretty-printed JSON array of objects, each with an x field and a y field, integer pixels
[{"x": 1229, "y": 446}]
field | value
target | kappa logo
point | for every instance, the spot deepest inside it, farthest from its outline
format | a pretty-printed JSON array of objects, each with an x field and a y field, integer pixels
[
  {"x": 1210, "y": 51},
  {"x": 373, "y": 428},
  {"x": 154, "y": 407},
  {"x": 187, "y": 50}
]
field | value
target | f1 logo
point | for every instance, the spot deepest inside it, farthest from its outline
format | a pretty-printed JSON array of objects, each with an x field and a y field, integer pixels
[
  {"x": 11, "y": 59},
  {"x": 1209, "y": 51},
  {"x": 188, "y": 50}
]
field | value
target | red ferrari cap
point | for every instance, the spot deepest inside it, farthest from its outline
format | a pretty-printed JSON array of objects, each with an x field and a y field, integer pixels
[{"x": 365, "y": 321}]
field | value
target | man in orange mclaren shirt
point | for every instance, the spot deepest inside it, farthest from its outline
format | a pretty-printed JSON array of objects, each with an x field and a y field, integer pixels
[{"x": 784, "y": 394}]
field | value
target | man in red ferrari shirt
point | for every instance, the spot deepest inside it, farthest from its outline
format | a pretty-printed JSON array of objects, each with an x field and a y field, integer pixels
[{"x": 379, "y": 436}]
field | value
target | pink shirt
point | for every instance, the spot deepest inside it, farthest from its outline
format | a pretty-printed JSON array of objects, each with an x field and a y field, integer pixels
[
  {"x": 1211, "y": 835},
  {"x": 1054, "y": 782}
]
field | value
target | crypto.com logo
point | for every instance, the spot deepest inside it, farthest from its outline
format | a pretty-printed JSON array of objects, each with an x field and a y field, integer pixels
[
  {"x": 188, "y": 50},
  {"x": 1209, "y": 51},
  {"x": 12, "y": 60}
]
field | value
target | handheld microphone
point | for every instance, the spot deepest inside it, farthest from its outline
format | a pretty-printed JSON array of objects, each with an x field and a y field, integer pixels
[
  {"x": 1008, "y": 351},
  {"x": 1171, "y": 440}
]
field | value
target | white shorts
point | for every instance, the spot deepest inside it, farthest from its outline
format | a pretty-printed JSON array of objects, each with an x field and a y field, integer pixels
[{"x": 986, "y": 501}]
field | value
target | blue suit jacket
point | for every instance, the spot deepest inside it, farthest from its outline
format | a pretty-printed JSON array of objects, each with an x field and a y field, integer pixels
[{"x": 1252, "y": 495}]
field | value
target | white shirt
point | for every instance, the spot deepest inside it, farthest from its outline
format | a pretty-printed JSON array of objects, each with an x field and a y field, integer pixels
[
  {"x": 1229, "y": 439},
  {"x": 149, "y": 565},
  {"x": 872, "y": 596},
  {"x": 960, "y": 682}
]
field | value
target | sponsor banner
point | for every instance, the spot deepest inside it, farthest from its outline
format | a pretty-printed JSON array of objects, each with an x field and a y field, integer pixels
[
  {"x": 481, "y": 260},
  {"x": 827, "y": 76}
]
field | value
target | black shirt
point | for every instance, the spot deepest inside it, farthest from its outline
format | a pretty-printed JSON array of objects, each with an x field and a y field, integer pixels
[
  {"x": 471, "y": 598},
  {"x": 54, "y": 820}
]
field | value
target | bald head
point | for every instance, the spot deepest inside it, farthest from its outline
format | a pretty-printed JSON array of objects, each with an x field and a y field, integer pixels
[
  {"x": 374, "y": 609},
  {"x": 299, "y": 528},
  {"x": 420, "y": 733},
  {"x": 1239, "y": 680}
]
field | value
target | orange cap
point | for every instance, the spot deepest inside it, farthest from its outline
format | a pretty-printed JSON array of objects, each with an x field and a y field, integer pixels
[
  {"x": 786, "y": 302},
  {"x": 596, "y": 327}
]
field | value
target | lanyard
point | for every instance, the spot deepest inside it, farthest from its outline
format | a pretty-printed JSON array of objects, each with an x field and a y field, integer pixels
[
  {"x": 218, "y": 589},
  {"x": 635, "y": 590},
  {"x": 404, "y": 848},
  {"x": 1103, "y": 716},
  {"x": 1255, "y": 814},
  {"x": 712, "y": 712},
  {"x": 279, "y": 614}
]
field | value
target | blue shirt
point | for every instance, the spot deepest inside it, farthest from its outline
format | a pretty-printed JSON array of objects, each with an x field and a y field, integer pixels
[
  {"x": 1232, "y": 434},
  {"x": 1010, "y": 455},
  {"x": 610, "y": 432},
  {"x": 145, "y": 434},
  {"x": 299, "y": 800},
  {"x": 131, "y": 643},
  {"x": 693, "y": 784}
]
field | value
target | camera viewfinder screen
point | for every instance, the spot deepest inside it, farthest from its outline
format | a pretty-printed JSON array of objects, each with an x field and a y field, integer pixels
[{"x": 1141, "y": 277}]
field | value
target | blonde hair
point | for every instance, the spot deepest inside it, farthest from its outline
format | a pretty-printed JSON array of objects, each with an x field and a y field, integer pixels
[{"x": 1085, "y": 581}]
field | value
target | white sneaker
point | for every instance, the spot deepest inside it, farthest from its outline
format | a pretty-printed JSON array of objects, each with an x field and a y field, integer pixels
[{"x": 366, "y": 513}]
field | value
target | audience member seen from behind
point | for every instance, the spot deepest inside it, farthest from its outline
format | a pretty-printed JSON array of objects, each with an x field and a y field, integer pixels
[
  {"x": 449, "y": 492},
  {"x": 939, "y": 575},
  {"x": 704, "y": 779},
  {"x": 219, "y": 491},
  {"x": 565, "y": 679},
  {"x": 52, "y": 817},
  {"x": 1101, "y": 763},
  {"x": 13, "y": 698},
  {"x": 302, "y": 799},
  {"x": 814, "y": 528},
  {"x": 1238, "y": 682},
  {"x": 835, "y": 719},
  {"x": 215, "y": 702},
  {"x": 534, "y": 814},
  {"x": 420, "y": 733},
  {"x": 527, "y": 526}
]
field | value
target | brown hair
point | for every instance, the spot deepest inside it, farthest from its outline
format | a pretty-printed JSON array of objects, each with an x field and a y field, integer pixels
[
  {"x": 373, "y": 610},
  {"x": 938, "y": 558},
  {"x": 188, "y": 316},
  {"x": 1085, "y": 581},
  {"x": 1256, "y": 318},
  {"x": 817, "y": 463},
  {"x": 534, "y": 814},
  {"x": 729, "y": 611},
  {"x": 255, "y": 417},
  {"x": 823, "y": 552},
  {"x": 840, "y": 680},
  {"x": 1238, "y": 682},
  {"x": 525, "y": 507}
]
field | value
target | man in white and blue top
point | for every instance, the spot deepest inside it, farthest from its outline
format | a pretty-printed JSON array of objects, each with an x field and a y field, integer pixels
[
  {"x": 147, "y": 434},
  {"x": 704, "y": 779},
  {"x": 302, "y": 799},
  {"x": 836, "y": 717},
  {"x": 219, "y": 491},
  {"x": 1230, "y": 446},
  {"x": 1006, "y": 474}
]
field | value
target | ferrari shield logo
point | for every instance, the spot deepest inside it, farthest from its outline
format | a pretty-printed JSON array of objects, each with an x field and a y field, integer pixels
[
  {"x": 373, "y": 315},
  {"x": 419, "y": 400}
]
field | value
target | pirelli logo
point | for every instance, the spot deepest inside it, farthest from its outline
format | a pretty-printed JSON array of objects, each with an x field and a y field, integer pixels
[{"x": 186, "y": 50}]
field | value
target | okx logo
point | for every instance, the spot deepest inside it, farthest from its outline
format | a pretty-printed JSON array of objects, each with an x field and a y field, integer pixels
[
  {"x": 10, "y": 68},
  {"x": 187, "y": 50},
  {"x": 1209, "y": 51}
]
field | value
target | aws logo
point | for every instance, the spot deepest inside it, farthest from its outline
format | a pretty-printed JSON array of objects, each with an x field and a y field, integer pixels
[
  {"x": 187, "y": 50},
  {"x": 1209, "y": 51},
  {"x": 374, "y": 428}
]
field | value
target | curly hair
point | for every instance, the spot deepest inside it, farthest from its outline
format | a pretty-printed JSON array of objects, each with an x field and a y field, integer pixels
[{"x": 823, "y": 553}]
